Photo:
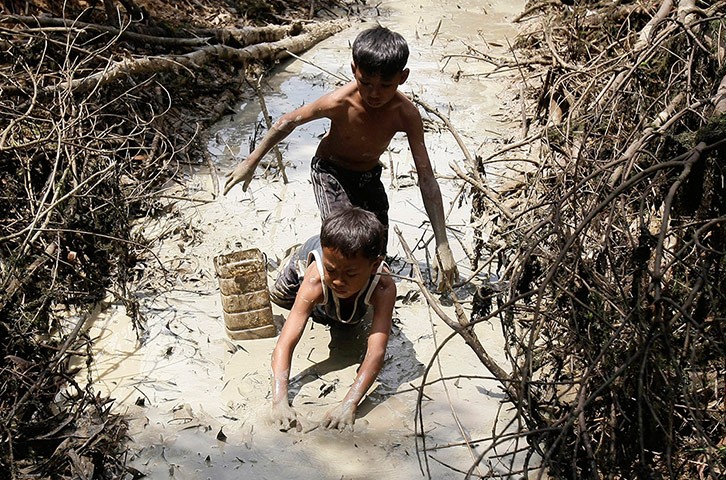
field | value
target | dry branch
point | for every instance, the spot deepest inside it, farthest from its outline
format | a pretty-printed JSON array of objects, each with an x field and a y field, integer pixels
[
  {"x": 535, "y": 8},
  {"x": 474, "y": 176},
  {"x": 720, "y": 99},
  {"x": 646, "y": 33},
  {"x": 470, "y": 161},
  {"x": 461, "y": 326},
  {"x": 268, "y": 123},
  {"x": 616, "y": 243},
  {"x": 15, "y": 282}
]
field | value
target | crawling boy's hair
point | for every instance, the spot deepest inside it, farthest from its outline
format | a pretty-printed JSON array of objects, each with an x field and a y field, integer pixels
[
  {"x": 353, "y": 231},
  {"x": 380, "y": 51}
]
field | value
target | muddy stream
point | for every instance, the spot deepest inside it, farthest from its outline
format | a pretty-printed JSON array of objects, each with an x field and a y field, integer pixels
[{"x": 198, "y": 402}]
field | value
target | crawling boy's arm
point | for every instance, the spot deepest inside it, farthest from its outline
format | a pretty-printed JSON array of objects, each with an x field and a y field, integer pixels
[
  {"x": 431, "y": 193},
  {"x": 342, "y": 416},
  {"x": 310, "y": 293}
]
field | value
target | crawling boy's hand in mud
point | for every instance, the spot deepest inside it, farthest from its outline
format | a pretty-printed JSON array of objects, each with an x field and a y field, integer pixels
[
  {"x": 340, "y": 417},
  {"x": 284, "y": 417}
]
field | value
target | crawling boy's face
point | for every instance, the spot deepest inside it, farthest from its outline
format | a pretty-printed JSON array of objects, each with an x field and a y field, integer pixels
[
  {"x": 347, "y": 276},
  {"x": 375, "y": 90}
]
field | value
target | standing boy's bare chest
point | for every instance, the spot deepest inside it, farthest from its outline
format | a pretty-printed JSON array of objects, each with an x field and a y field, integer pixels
[{"x": 367, "y": 131}]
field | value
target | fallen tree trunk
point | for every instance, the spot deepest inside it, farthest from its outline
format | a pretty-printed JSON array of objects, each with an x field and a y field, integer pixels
[
  {"x": 194, "y": 60},
  {"x": 238, "y": 37}
]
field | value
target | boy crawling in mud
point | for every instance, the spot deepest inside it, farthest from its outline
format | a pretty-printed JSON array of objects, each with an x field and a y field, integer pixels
[
  {"x": 335, "y": 278},
  {"x": 364, "y": 116}
]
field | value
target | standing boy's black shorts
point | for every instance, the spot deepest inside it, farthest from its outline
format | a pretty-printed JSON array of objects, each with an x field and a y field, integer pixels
[{"x": 335, "y": 187}]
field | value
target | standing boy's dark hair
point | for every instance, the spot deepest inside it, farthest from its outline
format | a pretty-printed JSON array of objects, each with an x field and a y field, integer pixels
[
  {"x": 379, "y": 51},
  {"x": 353, "y": 231}
]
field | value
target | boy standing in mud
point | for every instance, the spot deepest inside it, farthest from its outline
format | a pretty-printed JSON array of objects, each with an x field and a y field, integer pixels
[
  {"x": 336, "y": 278},
  {"x": 364, "y": 116}
]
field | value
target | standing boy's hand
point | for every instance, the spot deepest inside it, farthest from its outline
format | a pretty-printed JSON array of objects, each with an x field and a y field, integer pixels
[
  {"x": 284, "y": 417},
  {"x": 243, "y": 172},
  {"x": 445, "y": 270},
  {"x": 341, "y": 417}
]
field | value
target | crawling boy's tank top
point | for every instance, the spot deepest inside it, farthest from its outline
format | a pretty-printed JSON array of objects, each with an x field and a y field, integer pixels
[{"x": 330, "y": 308}]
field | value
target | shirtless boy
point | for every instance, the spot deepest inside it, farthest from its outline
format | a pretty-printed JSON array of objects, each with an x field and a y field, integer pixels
[
  {"x": 364, "y": 116},
  {"x": 336, "y": 278}
]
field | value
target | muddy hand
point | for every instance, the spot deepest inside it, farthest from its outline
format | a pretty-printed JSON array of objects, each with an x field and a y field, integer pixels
[
  {"x": 341, "y": 417},
  {"x": 283, "y": 417},
  {"x": 446, "y": 273},
  {"x": 243, "y": 172}
]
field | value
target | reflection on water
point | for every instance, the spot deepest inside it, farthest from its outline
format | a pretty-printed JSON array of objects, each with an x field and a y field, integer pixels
[{"x": 231, "y": 139}]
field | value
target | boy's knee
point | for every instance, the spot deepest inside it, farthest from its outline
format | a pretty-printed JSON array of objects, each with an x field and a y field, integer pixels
[
  {"x": 283, "y": 293},
  {"x": 281, "y": 299}
]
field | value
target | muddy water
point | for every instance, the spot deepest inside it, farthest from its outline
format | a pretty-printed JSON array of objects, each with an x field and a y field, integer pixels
[{"x": 199, "y": 402}]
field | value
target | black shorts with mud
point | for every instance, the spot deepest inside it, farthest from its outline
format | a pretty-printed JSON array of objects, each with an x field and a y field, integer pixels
[{"x": 335, "y": 187}]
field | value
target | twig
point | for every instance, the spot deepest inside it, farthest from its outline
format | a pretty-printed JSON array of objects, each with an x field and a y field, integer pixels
[
  {"x": 461, "y": 325},
  {"x": 459, "y": 141},
  {"x": 268, "y": 122},
  {"x": 332, "y": 74},
  {"x": 436, "y": 32}
]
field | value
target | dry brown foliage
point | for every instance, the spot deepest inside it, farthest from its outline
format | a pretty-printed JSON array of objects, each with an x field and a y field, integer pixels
[
  {"x": 610, "y": 247},
  {"x": 89, "y": 142}
]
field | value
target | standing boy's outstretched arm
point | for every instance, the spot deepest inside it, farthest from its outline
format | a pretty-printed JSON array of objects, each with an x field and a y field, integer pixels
[
  {"x": 279, "y": 131},
  {"x": 447, "y": 272}
]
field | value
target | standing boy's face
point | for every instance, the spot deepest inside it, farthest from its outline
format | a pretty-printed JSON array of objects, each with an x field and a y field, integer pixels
[
  {"x": 346, "y": 276},
  {"x": 375, "y": 90}
]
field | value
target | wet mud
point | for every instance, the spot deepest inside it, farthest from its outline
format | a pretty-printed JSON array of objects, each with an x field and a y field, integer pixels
[{"x": 199, "y": 401}]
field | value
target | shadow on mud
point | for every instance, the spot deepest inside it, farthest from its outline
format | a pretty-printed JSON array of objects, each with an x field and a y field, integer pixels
[{"x": 347, "y": 347}]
